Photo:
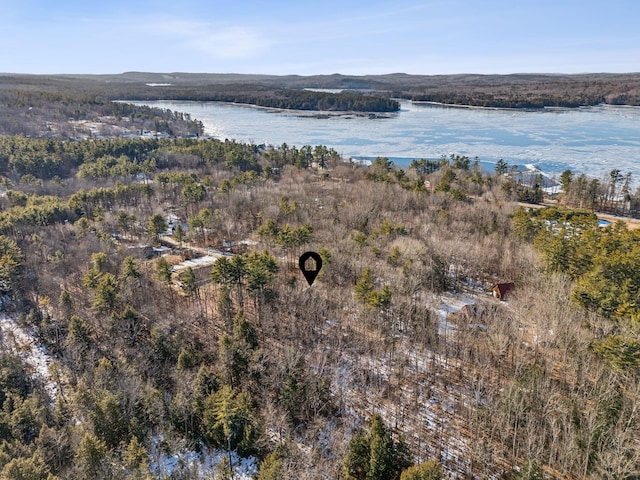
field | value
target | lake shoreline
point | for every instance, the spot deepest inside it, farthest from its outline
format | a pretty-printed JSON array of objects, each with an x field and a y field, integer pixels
[
  {"x": 520, "y": 109},
  {"x": 590, "y": 140},
  {"x": 319, "y": 114}
]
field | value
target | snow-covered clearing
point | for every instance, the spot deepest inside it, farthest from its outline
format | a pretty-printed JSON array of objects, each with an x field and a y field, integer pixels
[
  {"x": 448, "y": 303},
  {"x": 22, "y": 342},
  {"x": 196, "y": 262}
]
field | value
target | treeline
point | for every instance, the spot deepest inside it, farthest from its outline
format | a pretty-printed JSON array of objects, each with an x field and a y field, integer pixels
[
  {"x": 367, "y": 93},
  {"x": 26, "y": 159},
  {"x": 612, "y": 194},
  {"x": 524, "y": 92},
  {"x": 269, "y": 97},
  {"x": 511, "y": 100},
  {"x": 77, "y": 96},
  {"x": 35, "y": 173}
]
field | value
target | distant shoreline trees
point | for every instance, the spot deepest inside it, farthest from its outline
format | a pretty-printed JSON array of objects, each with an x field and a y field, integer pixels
[{"x": 274, "y": 98}]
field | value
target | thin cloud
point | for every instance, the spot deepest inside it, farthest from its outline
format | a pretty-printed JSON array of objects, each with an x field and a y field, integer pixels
[{"x": 214, "y": 41}]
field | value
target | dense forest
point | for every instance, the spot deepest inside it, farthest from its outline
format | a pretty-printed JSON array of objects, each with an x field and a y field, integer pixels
[
  {"x": 530, "y": 91},
  {"x": 279, "y": 98},
  {"x": 155, "y": 323},
  {"x": 260, "y": 95}
]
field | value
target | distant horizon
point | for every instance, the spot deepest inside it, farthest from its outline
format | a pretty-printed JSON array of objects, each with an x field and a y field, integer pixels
[
  {"x": 423, "y": 37},
  {"x": 321, "y": 74}
]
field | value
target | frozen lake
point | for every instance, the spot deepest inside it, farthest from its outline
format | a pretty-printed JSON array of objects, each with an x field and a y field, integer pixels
[{"x": 591, "y": 140}]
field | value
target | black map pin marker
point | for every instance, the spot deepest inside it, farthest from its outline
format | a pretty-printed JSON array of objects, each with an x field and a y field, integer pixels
[{"x": 310, "y": 275}]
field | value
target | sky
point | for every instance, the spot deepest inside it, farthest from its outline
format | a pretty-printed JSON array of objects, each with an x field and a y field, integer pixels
[{"x": 352, "y": 37}]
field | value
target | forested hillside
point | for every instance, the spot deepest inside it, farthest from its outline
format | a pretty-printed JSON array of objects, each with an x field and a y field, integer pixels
[
  {"x": 160, "y": 276},
  {"x": 155, "y": 323},
  {"x": 91, "y": 89},
  {"x": 368, "y": 93},
  {"x": 41, "y": 113}
]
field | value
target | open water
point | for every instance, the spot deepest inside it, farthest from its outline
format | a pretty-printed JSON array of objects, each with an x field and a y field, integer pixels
[{"x": 591, "y": 140}]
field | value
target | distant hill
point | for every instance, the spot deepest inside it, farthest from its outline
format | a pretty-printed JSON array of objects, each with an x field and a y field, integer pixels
[{"x": 507, "y": 91}]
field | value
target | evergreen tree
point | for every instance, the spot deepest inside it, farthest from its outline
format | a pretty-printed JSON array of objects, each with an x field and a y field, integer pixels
[
  {"x": 155, "y": 227},
  {"x": 106, "y": 294},
  {"x": 11, "y": 259},
  {"x": 229, "y": 420},
  {"x": 32, "y": 468},
  {"x": 163, "y": 270},
  {"x": 364, "y": 285},
  {"x": 356, "y": 462},
  {"x": 224, "y": 470},
  {"x": 135, "y": 456},
  {"x": 179, "y": 234},
  {"x": 130, "y": 269},
  {"x": 90, "y": 459},
  {"x": 236, "y": 351},
  {"x": 271, "y": 467},
  {"x": 188, "y": 282},
  {"x": 502, "y": 167},
  {"x": 375, "y": 455},
  {"x": 225, "y": 308}
]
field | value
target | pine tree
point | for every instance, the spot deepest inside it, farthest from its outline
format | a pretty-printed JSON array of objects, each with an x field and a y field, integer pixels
[
  {"x": 271, "y": 467},
  {"x": 32, "y": 468},
  {"x": 364, "y": 285},
  {"x": 229, "y": 421},
  {"x": 135, "y": 456},
  {"x": 188, "y": 282},
  {"x": 381, "y": 455},
  {"x": 224, "y": 470},
  {"x": 356, "y": 462},
  {"x": 90, "y": 457},
  {"x": 375, "y": 455},
  {"x": 225, "y": 308}
]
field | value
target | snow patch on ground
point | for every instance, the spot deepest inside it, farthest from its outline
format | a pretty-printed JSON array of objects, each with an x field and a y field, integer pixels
[
  {"x": 196, "y": 262},
  {"x": 23, "y": 343},
  {"x": 427, "y": 406},
  {"x": 201, "y": 464},
  {"x": 449, "y": 303}
]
